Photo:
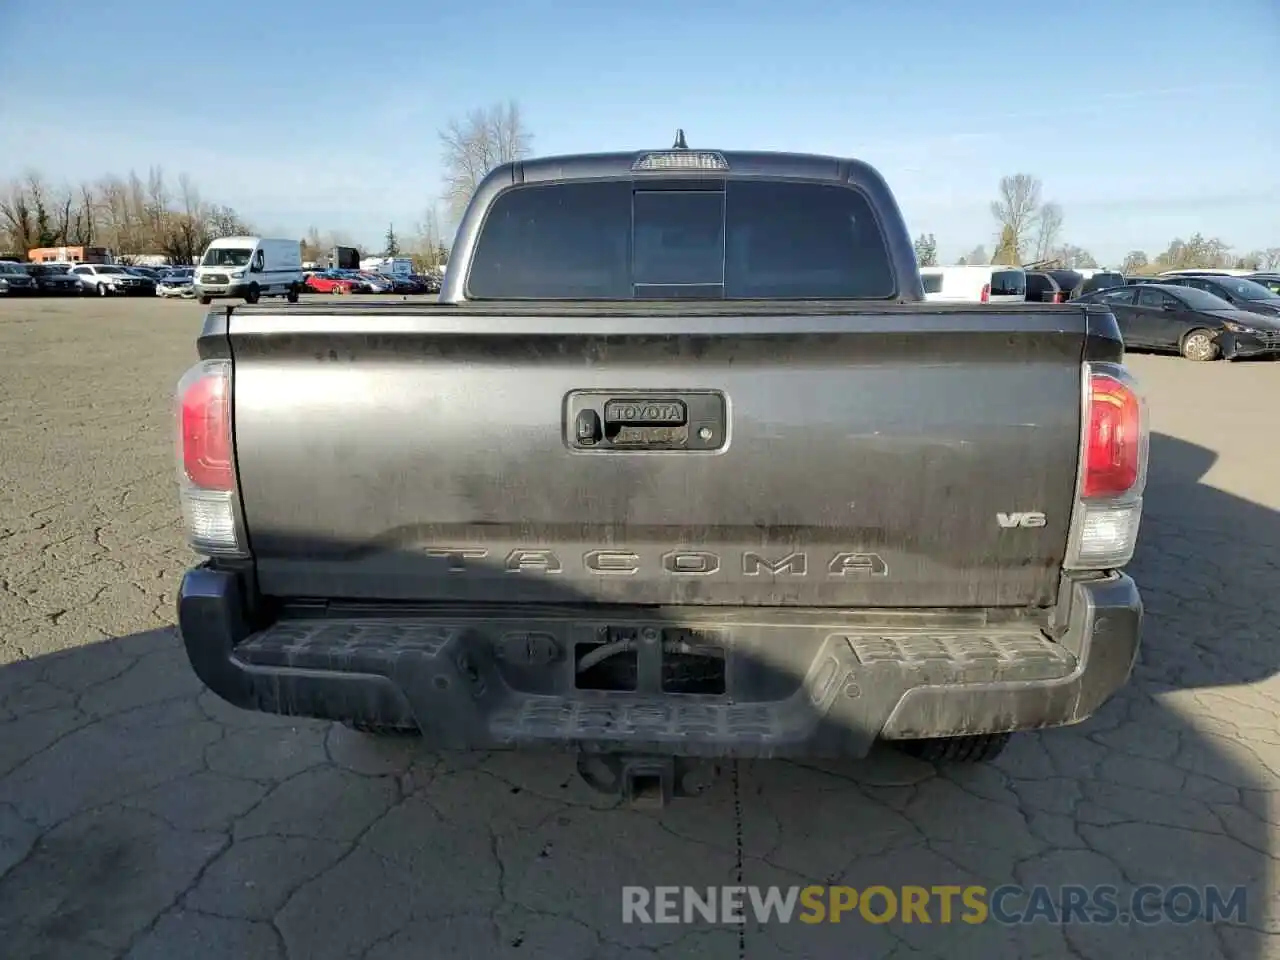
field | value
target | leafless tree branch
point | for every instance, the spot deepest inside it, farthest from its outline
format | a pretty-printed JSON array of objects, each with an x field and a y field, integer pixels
[{"x": 474, "y": 145}]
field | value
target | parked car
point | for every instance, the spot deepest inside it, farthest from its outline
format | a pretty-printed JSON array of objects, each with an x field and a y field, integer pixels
[
  {"x": 429, "y": 282},
  {"x": 1070, "y": 281},
  {"x": 1237, "y": 291},
  {"x": 1101, "y": 280},
  {"x": 327, "y": 282},
  {"x": 1269, "y": 280},
  {"x": 404, "y": 285},
  {"x": 1043, "y": 288},
  {"x": 54, "y": 279},
  {"x": 373, "y": 282},
  {"x": 1205, "y": 271},
  {"x": 539, "y": 534},
  {"x": 975, "y": 284},
  {"x": 176, "y": 284},
  {"x": 105, "y": 279},
  {"x": 14, "y": 280},
  {"x": 1181, "y": 319}
]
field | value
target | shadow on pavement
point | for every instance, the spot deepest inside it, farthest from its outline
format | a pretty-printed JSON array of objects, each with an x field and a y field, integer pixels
[{"x": 142, "y": 816}]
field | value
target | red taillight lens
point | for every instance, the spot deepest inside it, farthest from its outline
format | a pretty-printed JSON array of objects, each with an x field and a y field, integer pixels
[
  {"x": 1113, "y": 444},
  {"x": 206, "y": 432},
  {"x": 986, "y": 293}
]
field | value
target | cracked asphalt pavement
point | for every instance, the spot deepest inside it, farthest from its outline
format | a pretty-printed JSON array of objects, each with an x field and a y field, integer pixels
[{"x": 142, "y": 817}]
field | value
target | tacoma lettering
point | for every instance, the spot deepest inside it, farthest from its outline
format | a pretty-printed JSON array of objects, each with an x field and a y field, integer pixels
[
  {"x": 795, "y": 564},
  {"x": 611, "y": 561},
  {"x": 676, "y": 563}
]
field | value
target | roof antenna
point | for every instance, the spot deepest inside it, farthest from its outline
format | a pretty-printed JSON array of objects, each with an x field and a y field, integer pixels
[{"x": 679, "y": 144}]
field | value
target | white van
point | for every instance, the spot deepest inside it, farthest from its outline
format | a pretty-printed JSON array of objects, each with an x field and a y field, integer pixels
[
  {"x": 974, "y": 284},
  {"x": 249, "y": 267}
]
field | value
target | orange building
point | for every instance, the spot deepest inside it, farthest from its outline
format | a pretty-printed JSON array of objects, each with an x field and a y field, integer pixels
[{"x": 69, "y": 255}]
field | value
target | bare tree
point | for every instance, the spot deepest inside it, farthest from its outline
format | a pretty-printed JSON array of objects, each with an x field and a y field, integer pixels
[
  {"x": 1048, "y": 229},
  {"x": 38, "y": 193},
  {"x": 430, "y": 249},
  {"x": 157, "y": 203},
  {"x": 1199, "y": 251},
  {"x": 1015, "y": 209},
  {"x": 1072, "y": 256},
  {"x": 81, "y": 231},
  {"x": 1135, "y": 261},
  {"x": 18, "y": 217},
  {"x": 1007, "y": 249},
  {"x": 484, "y": 139}
]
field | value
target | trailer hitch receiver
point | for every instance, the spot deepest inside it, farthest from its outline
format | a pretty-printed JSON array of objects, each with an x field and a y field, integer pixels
[{"x": 645, "y": 781}]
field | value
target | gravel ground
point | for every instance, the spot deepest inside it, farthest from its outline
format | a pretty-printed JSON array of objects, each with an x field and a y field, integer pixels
[{"x": 141, "y": 817}]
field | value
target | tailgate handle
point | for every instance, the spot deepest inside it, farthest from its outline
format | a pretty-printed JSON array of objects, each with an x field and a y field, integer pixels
[{"x": 683, "y": 421}]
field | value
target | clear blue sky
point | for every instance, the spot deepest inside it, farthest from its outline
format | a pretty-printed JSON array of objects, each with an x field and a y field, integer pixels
[{"x": 1167, "y": 116}]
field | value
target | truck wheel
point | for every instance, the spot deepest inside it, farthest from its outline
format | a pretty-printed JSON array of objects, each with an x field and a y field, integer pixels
[
  {"x": 205, "y": 301},
  {"x": 252, "y": 294},
  {"x": 1199, "y": 345},
  {"x": 975, "y": 749},
  {"x": 292, "y": 295}
]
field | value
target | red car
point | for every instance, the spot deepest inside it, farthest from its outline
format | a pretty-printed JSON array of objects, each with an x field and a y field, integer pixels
[{"x": 323, "y": 283}]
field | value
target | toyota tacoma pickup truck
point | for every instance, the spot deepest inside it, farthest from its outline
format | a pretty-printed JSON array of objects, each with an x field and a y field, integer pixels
[{"x": 681, "y": 465}]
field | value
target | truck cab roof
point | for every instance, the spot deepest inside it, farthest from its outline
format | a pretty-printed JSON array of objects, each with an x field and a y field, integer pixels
[{"x": 881, "y": 245}]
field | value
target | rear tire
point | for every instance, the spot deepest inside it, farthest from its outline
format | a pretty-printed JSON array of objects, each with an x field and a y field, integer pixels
[
  {"x": 292, "y": 295},
  {"x": 973, "y": 749},
  {"x": 1198, "y": 345}
]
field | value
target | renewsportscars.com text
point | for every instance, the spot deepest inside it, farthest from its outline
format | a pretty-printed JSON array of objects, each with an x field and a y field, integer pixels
[{"x": 939, "y": 904}]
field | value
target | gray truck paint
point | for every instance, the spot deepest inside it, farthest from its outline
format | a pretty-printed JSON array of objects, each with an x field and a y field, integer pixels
[
  {"x": 380, "y": 454},
  {"x": 875, "y": 543}
]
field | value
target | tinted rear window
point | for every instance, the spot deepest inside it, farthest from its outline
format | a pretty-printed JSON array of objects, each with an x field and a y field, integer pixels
[
  {"x": 1008, "y": 283},
  {"x": 1103, "y": 281},
  {"x": 1040, "y": 286},
  {"x": 616, "y": 240},
  {"x": 932, "y": 282}
]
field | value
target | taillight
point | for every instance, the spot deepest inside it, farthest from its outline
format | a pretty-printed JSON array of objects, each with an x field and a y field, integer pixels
[
  {"x": 986, "y": 293},
  {"x": 206, "y": 431},
  {"x": 206, "y": 471},
  {"x": 1113, "y": 439},
  {"x": 1113, "y": 468}
]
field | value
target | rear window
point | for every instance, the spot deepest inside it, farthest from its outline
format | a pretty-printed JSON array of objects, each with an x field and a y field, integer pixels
[
  {"x": 1103, "y": 281},
  {"x": 932, "y": 282},
  {"x": 618, "y": 240},
  {"x": 1040, "y": 286},
  {"x": 1008, "y": 283}
]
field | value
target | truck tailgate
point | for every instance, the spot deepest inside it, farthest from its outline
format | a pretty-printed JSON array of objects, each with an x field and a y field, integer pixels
[{"x": 903, "y": 456}]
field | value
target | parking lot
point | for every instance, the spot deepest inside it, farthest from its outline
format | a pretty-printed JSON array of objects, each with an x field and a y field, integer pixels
[{"x": 141, "y": 817}]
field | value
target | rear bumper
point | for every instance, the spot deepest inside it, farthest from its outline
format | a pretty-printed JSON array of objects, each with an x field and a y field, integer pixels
[{"x": 806, "y": 685}]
